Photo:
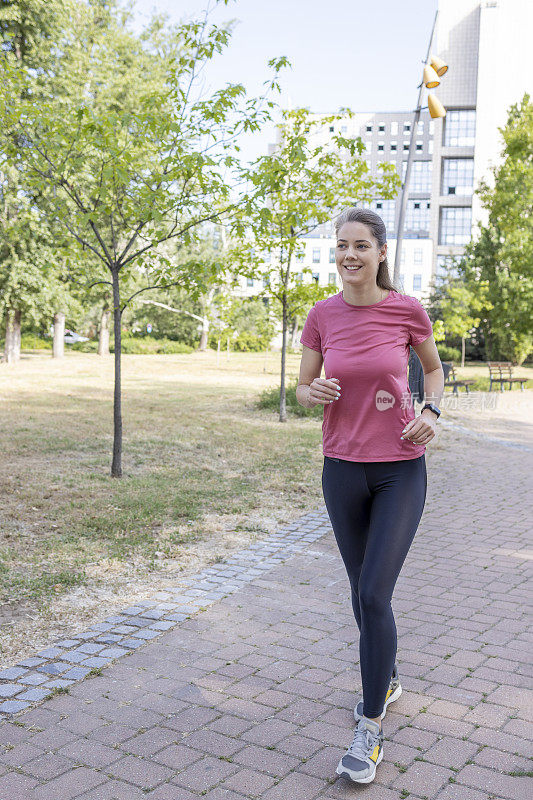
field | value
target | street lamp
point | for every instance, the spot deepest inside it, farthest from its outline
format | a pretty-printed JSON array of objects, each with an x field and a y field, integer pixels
[{"x": 434, "y": 69}]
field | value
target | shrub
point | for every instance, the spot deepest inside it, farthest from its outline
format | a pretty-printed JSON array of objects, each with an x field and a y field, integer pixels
[
  {"x": 448, "y": 353},
  {"x": 269, "y": 398},
  {"x": 30, "y": 341},
  {"x": 140, "y": 345}
]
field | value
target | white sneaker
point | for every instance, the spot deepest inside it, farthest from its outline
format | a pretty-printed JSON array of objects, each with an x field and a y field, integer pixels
[{"x": 364, "y": 754}]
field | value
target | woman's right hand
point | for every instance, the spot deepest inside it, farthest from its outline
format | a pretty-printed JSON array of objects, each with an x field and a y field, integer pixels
[{"x": 323, "y": 391}]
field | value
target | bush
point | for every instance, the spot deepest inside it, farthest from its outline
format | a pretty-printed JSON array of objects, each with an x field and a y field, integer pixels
[
  {"x": 141, "y": 345},
  {"x": 84, "y": 347},
  {"x": 247, "y": 342},
  {"x": 269, "y": 398},
  {"x": 30, "y": 341},
  {"x": 448, "y": 353}
]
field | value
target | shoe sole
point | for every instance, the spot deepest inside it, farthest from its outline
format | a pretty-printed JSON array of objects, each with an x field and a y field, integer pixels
[
  {"x": 394, "y": 696},
  {"x": 344, "y": 773}
]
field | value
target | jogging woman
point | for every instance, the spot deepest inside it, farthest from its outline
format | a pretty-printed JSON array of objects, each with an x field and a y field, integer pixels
[{"x": 374, "y": 472}]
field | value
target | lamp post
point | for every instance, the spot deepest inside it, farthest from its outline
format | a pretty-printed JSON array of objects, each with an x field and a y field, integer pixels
[{"x": 432, "y": 72}]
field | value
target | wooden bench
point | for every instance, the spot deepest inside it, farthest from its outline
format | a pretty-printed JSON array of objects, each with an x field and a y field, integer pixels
[
  {"x": 453, "y": 382},
  {"x": 502, "y": 372}
]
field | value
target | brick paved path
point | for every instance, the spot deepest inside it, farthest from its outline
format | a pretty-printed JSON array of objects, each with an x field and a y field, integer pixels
[{"x": 253, "y": 696}]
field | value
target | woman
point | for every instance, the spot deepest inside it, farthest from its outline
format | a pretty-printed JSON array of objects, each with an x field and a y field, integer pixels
[{"x": 374, "y": 474}]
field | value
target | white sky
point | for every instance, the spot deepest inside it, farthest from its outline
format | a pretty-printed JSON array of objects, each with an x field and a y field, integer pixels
[{"x": 367, "y": 55}]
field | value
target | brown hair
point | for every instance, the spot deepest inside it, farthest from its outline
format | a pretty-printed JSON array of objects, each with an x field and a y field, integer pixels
[{"x": 379, "y": 232}]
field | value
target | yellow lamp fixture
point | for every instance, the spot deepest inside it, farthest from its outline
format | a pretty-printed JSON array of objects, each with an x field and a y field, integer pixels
[
  {"x": 431, "y": 79},
  {"x": 436, "y": 109},
  {"x": 438, "y": 65}
]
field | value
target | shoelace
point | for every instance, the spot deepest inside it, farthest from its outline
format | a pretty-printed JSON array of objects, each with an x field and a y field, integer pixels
[{"x": 361, "y": 744}]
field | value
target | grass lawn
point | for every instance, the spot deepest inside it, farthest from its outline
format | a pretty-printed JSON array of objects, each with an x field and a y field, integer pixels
[{"x": 205, "y": 473}]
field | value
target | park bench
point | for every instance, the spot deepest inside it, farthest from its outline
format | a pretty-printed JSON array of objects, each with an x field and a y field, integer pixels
[
  {"x": 453, "y": 382},
  {"x": 502, "y": 372}
]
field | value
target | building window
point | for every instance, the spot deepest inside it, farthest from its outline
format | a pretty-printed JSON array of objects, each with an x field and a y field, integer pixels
[
  {"x": 393, "y": 147},
  {"x": 455, "y": 225},
  {"x": 460, "y": 128},
  {"x": 300, "y": 257},
  {"x": 458, "y": 176},
  {"x": 381, "y": 128},
  {"x": 406, "y": 127},
  {"x": 420, "y": 128},
  {"x": 369, "y": 128},
  {"x": 299, "y": 277},
  {"x": 417, "y": 282},
  {"x": 419, "y": 146},
  {"x": 316, "y": 255},
  {"x": 332, "y": 278},
  {"x": 446, "y": 268},
  {"x": 266, "y": 282},
  {"x": 331, "y": 129},
  {"x": 421, "y": 174},
  {"x": 406, "y": 147},
  {"x": 315, "y": 277},
  {"x": 402, "y": 282},
  {"x": 249, "y": 281},
  {"x": 430, "y": 147},
  {"x": 417, "y": 215},
  {"x": 344, "y": 128},
  {"x": 386, "y": 210},
  {"x": 381, "y": 146},
  {"x": 331, "y": 255},
  {"x": 418, "y": 255},
  {"x": 394, "y": 128}
]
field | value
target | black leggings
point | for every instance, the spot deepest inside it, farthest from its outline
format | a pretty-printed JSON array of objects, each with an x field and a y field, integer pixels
[{"x": 375, "y": 508}]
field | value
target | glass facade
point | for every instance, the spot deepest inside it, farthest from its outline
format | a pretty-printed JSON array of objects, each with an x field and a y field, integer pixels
[
  {"x": 445, "y": 267},
  {"x": 421, "y": 176},
  {"x": 457, "y": 176},
  {"x": 417, "y": 215},
  {"x": 460, "y": 128},
  {"x": 455, "y": 225},
  {"x": 386, "y": 210}
]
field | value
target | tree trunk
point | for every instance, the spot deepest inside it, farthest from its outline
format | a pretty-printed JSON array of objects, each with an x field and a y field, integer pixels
[
  {"x": 203, "y": 338},
  {"x": 103, "y": 333},
  {"x": 12, "y": 347},
  {"x": 282, "y": 395},
  {"x": 116, "y": 466},
  {"x": 295, "y": 331},
  {"x": 58, "y": 347},
  {"x": 463, "y": 347}
]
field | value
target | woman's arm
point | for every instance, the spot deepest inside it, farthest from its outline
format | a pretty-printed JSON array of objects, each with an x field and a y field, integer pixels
[
  {"x": 421, "y": 429},
  {"x": 313, "y": 390}
]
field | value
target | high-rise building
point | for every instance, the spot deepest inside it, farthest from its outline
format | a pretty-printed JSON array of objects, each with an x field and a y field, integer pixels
[{"x": 485, "y": 44}]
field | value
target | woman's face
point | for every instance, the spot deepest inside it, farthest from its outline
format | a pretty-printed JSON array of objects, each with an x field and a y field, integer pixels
[{"x": 357, "y": 248}]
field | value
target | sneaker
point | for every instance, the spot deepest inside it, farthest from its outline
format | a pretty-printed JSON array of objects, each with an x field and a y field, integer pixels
[
  {"x": 364, "y": 754},
  {"x": 393, "y": 693}
]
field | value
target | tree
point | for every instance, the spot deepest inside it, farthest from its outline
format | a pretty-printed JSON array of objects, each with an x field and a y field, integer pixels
[
  {"x": 298, "y": 187},
  {"x": 502, "y": 254},
  {"x": 29, "y": 279},
  {"x": 127, "y": 150}
]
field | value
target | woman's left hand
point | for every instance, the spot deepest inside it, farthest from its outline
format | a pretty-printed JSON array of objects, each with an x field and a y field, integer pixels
[{"x": 420, "y": 430}]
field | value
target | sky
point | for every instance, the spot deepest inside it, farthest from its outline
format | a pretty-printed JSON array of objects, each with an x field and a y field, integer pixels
[{"x": 366, "y": 55}]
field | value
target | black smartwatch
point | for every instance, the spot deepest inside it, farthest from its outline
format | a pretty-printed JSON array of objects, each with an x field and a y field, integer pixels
[{"x": 434, "y": 408}]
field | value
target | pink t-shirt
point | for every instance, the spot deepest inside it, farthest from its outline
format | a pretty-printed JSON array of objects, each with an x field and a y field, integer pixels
[{"x": 367, "y": 349}]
